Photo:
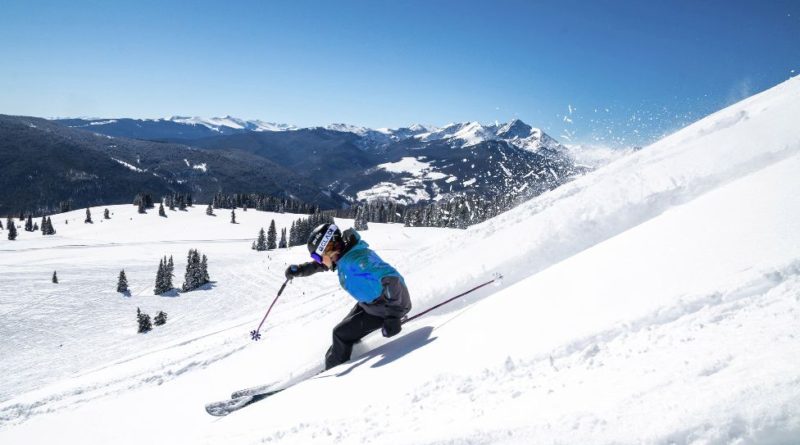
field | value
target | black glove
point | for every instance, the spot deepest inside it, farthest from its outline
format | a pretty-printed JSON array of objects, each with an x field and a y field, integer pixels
[
  {"x": 292, "y": 271},
  {"x": 391, "y": 327}
]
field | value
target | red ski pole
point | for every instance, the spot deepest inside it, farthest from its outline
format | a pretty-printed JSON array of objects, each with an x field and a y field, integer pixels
[{"x": 256, "y": 335}]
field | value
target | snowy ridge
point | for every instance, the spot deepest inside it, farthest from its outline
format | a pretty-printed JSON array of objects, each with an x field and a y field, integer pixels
[
  {"x": 515, "y": 132},
  {"x": 664, "y": 286},
  {"x": 464, "y": 134},
  {"x": 217, "y": 123}
]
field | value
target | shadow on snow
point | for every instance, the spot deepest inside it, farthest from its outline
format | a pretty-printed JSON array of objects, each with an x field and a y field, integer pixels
[{"x": 393, "y": 350}]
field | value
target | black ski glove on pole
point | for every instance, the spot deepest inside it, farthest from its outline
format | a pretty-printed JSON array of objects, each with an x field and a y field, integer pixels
[
  {"x": 391, "y": 327},
  {"x": 292, "y": 271}
]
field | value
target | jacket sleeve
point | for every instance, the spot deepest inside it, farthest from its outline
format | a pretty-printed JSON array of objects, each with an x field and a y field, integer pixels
[
  {"x": 395, "y": 297},
  {"x": 310, "y": 268}
]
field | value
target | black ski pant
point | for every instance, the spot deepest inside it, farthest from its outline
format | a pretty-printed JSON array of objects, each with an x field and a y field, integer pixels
[{"x": 355, "y": 326}]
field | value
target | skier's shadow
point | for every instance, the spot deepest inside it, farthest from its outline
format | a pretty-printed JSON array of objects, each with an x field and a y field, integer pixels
[{"x": 393, "y": 350}]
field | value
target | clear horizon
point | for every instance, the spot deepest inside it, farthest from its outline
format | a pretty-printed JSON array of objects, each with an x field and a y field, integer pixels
[{"x": 607, "y": 73}]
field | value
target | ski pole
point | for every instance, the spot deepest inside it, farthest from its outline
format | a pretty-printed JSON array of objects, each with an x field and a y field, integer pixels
[
  {"x": 497, "y": 278},
  {"x": 256, "y": 335}
]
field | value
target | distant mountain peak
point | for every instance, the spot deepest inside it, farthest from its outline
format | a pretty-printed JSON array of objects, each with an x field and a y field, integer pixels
[{"x": 514, "y": 129}]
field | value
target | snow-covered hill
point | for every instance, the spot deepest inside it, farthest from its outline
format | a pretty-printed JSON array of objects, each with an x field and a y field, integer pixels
[{"x": 655, "y": 300}]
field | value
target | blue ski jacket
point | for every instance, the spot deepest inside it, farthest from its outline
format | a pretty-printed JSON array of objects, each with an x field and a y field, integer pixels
[{"x": 361, "y": 270}]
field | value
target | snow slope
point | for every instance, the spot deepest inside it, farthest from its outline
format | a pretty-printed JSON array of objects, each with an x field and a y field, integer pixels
[{"x": 655, "y": 300}]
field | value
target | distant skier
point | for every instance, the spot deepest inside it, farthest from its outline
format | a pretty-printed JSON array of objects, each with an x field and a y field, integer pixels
[{"x": 380, "y": 290}]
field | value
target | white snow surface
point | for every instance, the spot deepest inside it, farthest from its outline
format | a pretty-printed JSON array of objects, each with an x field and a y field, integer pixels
[
  {"x": 654, "y": 300},
  {"x": 413, "y": 187},
  {"x": 129, "y": 166},
  {"x": 411, "y": 191},
  {"x": 202, "y": 167},
  {"x": 217, "y": 123},
  {"x": 409, "y": 164}
]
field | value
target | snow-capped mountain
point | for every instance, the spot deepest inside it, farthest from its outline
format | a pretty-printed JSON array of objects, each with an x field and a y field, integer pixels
[
  {"x": 225, "y": 125},
  {"x": 515, "y": 132},
  {"x": 464, "y": 134},
  {"x": 467, "y": 157}
]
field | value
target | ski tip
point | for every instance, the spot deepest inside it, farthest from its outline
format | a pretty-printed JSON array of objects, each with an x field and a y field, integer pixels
[
  {"x": 216, "y": 411},
  {"x": 225, "y": 407}
]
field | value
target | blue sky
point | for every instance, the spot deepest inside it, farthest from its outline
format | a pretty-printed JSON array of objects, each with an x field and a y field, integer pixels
[{"x": 628, "y": 70}]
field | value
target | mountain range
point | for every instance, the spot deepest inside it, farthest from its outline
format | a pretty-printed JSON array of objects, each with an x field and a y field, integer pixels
[{"x": 90, "y": 161}]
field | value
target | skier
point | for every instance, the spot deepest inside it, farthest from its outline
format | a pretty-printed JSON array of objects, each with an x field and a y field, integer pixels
[{"x": 380, "y": 290}]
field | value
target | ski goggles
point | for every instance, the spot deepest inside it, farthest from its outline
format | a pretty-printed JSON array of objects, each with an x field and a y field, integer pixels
[{"x": 323, "y": 244}]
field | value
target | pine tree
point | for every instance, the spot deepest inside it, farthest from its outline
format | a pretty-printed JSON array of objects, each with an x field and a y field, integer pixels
[
  {"x": 292, "y": 235},
  {"x": 43, "y": 226},
  {"x": 272, "y": 236},
  {"x": 188, "y": 277},
  {"x": 35, "y": 227},
  {"x": 88, "y": 219},
  {"x": 244, "y": 207},
  {"x": 160, "y": 319},
  {"x": 197, "y": 270},
  {"x": 50, "y": 229},
  {"x": 1, "y": 225},
  {"x": 106, "y": 215},
  {"x": 209, "y": 210},
  {"x": 29, "y": 224},
  {"x": 142, "y": 207},
  {"x": 168, "y": 269},
  {"x": 194, "y": 273},
  {"x": 204, "y": 271},
  {"x": 261, "y": 242},
  {"x": 181, "y": 204},
  {"x": 144, "y": 321},
  {"x": 55, "y": 277},
  {"x": 161, "y": 211},
  {"x": 233, "y": 216},
  {"x": 160, "y": 282},
  {"x": 122, "y": 282},
  {"x": 12, "y": 230},
  {"x": 360, "y": 222},
  {"x": 282, "y": 242}
]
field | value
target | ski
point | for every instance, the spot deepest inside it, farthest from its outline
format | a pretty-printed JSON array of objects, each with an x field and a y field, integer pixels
[
  {"x": 255, "y": 390},
  {"x": 244, "y": 397},
  {"x": 225, "y": 407}
]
